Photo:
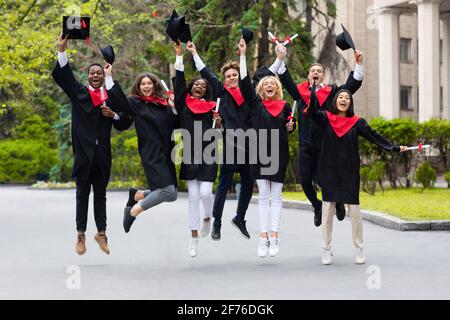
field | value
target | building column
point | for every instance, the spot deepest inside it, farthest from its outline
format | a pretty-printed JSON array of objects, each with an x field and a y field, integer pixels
[
  {"x": 389, "y": 63},
  {"x": 446, "y": 65},
  {"x": 429, "y": 64}
]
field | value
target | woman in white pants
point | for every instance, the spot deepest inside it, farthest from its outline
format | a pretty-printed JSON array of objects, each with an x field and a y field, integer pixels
[
  {"x": 193, "y": 105},
  {"x": 272, "y": 115}
]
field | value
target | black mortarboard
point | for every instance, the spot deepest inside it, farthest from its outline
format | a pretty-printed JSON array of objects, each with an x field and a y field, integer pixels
[
  {"x": 76, "y": 27},
  {"x": 247, "y": 35},
  {"x": 175, "y": 27},
  {"x": 108, "y": 53},
  {"x": 186, "y": 34},
  {"x": 344, "y": 41},
  {"x": 261, "y": 73}
]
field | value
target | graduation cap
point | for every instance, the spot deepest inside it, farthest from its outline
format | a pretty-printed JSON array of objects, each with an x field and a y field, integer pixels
[
  {"x": 186, "y": 34},
  {"x": 344, "y": 41},
  {"x": 261, "y": 73},
  {"x": 108, "y": 53},
  {"x": 247, "y": 35},
  {"x": 175, "y": 27},
  {"x": 76, "y": 27}
]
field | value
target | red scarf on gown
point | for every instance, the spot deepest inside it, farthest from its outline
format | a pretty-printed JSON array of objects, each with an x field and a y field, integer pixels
[
  {"x": 236, "y": 94},
  {"x": 199, "y": 106},
  {"x": 322, "y": 94},
  {"x": 98, "y": 96},
  {"x": 341, "y": 125}
]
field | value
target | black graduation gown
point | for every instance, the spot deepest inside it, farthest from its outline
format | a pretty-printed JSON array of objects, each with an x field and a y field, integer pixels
[
  {"x": 233, "y": 116},
  {"x": 338, "y": 166},
  {"x": 262, "y": 119},
  {"x": 197, "y": 169},
  {"x": 308, "y": 132},
  {"x": 154, "y": 125},
  {"x": 90, "y": 129}
]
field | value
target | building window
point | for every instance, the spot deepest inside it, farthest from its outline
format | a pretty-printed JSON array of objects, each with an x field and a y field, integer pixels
[
  {"x": 406, "y": 98},
  {"x": 405, "y": 50}
]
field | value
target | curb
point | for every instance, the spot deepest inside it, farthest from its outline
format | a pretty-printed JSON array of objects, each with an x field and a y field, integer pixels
[{"x": 379, "y": 218}]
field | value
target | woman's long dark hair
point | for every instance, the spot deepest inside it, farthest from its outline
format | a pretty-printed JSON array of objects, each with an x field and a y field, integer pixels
[
  {"x": 158, "y": 90},
  {"x": 350, "y": 111},
  {"x": 208, "y": 93}
]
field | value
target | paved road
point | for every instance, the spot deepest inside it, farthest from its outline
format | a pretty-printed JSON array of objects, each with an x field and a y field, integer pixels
[{"x": 37, "y": 239}]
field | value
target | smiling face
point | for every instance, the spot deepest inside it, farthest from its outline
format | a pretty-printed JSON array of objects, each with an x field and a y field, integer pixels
[
  {"x": 231, "y": 78},
  {"x": 96, "y": 76},
  {"x": 343, "y": 103},
  {"x": 198, "y": 90},
  {"x": 316, "y": 73},
  {"x": 269, "y": 88},
  {"x": 146, "y": 87}
]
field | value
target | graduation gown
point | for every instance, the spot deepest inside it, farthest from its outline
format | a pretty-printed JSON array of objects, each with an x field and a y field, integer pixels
[
  {"x": 263, "y": 119},
  {"x": 90, "y": 129},
  {"x": 197, "y": 169},
  {"x": 309, "y": 134},
  {"x": 154, "y": 125},
  {"x": 234, "y": 116},
  {"x": 339, "y": 163}
]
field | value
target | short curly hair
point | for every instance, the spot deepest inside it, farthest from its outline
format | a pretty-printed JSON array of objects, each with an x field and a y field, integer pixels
[{"x": 229, "y": 65}]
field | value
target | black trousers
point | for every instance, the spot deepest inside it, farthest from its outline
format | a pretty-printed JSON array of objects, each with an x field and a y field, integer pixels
[
  {"x": 308, "y": 158},
  {"x": 98, "y": 179},
  {"x": 225, "y": 181}
]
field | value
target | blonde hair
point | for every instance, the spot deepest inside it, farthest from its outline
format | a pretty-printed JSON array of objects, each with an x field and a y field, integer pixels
[{"x": 279, "y": 90}]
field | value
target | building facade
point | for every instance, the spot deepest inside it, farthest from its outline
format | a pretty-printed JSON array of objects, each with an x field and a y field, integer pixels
[{"x": 406, "y": 46}]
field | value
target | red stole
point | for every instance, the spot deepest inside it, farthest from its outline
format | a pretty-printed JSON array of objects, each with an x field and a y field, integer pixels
[
  {"x": 274, "y": 107},
  {"x": 341, "y": 125},
  {"x": 154, "y": 100},
  {"x": 322, "y": 94},
  {"x": 199, "y": 106},
  {"x": 98, "y": 96},
  {"x": 236, "y": 94}
]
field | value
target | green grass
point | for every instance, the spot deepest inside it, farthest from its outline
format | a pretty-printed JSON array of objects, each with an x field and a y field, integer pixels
[{"x": 408, "y": 204}]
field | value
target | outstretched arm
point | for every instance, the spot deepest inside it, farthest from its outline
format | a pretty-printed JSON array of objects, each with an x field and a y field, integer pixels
[
  {"x": 372, "y": 136},
  {"x": 62, "y": 73},
  {"x": 180, "y": 81},
  {"x": 355, "y": 78},
  {"x": 247, "y": 89},
  {"x": 205, "y": 72}
]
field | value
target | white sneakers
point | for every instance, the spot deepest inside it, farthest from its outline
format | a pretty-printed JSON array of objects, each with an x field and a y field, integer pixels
[
  {"x": 193, "y": 247},
  {"x": 274, "y": 246},
  {"x": 206, "y": 228},
  {"x": 359, "y": 256},
  {"x": 326, "y": 256},
  {"x": 268, "y": 247},
  {"x": 263, "y": 247}
]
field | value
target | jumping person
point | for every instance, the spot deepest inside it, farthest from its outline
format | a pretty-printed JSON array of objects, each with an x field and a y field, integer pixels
[
  {"x": 338, "y": 165},
  {"x": 92, "y": 119},
  {"x": 309, "y": 136},
  {"x": 195, "y": 109},
  {"x": 272, "y": 114},
  {"x": 236, "y": 116},
  {"x": 154, "y": 121}
]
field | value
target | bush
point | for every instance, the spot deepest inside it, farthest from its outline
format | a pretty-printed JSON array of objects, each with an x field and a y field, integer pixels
[
  {"x": 447, "y": 178},
  {"x": 22, "y": 160},
  {"x": 371, "y": 175},
  {"x": 425, "y": 175}
]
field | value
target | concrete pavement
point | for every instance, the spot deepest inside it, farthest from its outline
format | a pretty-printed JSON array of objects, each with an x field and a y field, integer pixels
[{"x": 38, "y": 259}]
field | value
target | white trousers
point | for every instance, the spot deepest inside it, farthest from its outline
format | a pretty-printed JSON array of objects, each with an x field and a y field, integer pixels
[
  {"x": 269, "y": 205},
  {"x": 328, "y": 212},
  {"x": 199, "y": 191}
]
